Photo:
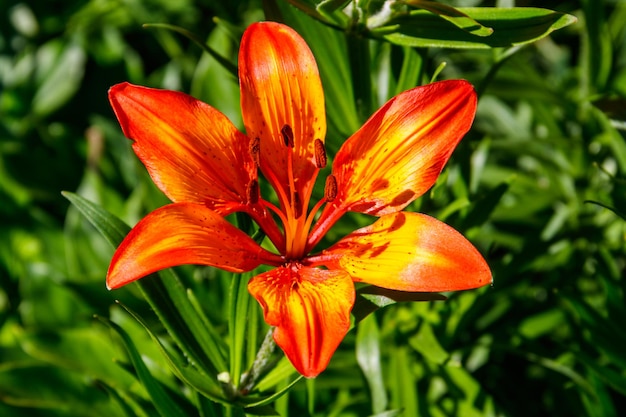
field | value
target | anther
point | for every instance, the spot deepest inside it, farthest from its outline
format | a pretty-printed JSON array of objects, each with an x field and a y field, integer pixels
[
  {"x": 255, "y": 150},
  {"x": 330, "y": 188},
  {"x": 320, "y": 154},
  {"x": 253, "y": 193},
  {"x": 287, "y": 133}
]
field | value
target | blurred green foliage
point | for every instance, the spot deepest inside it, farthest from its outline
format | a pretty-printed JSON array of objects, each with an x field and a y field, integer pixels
[{"x": 539, "y": 185}]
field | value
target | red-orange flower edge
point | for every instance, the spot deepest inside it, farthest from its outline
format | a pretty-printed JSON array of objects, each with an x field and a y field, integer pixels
[{"x": 209, "y": 169}]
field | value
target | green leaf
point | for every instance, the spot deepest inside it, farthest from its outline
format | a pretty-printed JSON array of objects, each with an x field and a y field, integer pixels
[
  {"x": 452, "y": 15},
  {"x": 80, "y": 349},
  {"x": 166, "y": 295},
  {"x": 369, "y": 358},
  {"x": 282, "y": 371},
  {"x": 271, "y": 398},
  {"x": 164, "y": 404},
  {"x": 226, "y": 63},
  {"x": 610, "y": 376},
  {"x": 605, "y": 335},
  {"x": 326, "y": 11},
  {"x": 62, "y": 80},
  {"x": 511, "y": 26},
  {"x": 389, "y": 413},
  {"x": 31, "y": 386},
  {"x": 237, "y": 321},
  {"x": 214, "y": 345},
  {"x": 168, "y": 298},
  {"x": 482, "y": 208},
  {"x": 425, "y": 342},
  {"x": 200, "y": 381},
  {"x": 109, "y": 226},
  {"x": 411, "y": 71},
  {"x": 371, "y": 298},
  {"x": 330, "y": 6}
]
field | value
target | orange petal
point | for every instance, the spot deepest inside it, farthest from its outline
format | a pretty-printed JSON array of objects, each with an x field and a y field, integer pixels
[
  {"x": 310, "y": 308},
  {"x": 410, "y": 252},
  {"x": 280, "y": 85},
  {"x": 400, "y": 151},
  {"x": 179, "y": 234},
  {"x": 192, "y": 151}
]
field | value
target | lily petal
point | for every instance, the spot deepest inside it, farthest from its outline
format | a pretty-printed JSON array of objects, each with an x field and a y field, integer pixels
[
  {"x": 192, "y": 151},
  {"x": 280, "y": 86},
  {"x": 310, "y": 308},
  {"x": 400, "y": 151},
  {"x": 179, "y": 234},
  {"x": 410, "y": 252}
]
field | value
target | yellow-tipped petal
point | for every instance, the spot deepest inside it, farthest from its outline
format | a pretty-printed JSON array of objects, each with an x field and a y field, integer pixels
[
  {"x": 410, "y": 252},
  {"x": 400, "y": 151},
  {"x": 282, "y": 103},
  {"x": 179, "y": 234},
  {"x": 192, "y": 151},
  {"x": 310, "y": 308}
]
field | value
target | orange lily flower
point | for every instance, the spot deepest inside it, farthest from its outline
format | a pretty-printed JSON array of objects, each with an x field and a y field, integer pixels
[{"x": 209, "y": 169}]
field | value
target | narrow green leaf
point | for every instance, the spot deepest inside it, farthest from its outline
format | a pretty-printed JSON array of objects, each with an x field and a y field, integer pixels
[
  {"x": 610, "y": 376},
  {"x": 483, "y": 208},
  {"x": 61, "y": 81},
  {"x": 411, "y": 71},
  {"x": 426, "y": 343},
  {"x": 388, "y": 413},
  {"x": 562, "y": 369},
  {"x": 128, "y": 406},
  {"x": 601, "y": 401},
  {"x": 226, "y": 63},
  {"x": 330, "y": 6},
  {"x": 597, "y": 48},
  {"x": 360, "y": 68},
  {"x": 200, "y": 381},
  {"x": 371, "y": 298},
  {"x": 282, "y": 371},
  {"x": 369, "y": 359},
  {"x": 452, "y": 15},
  {"x": 403, "y": 386},
  {"x": 237, "y": 322},
  {"x": 511, "y": 26},
  {"x": 164, "y": 292},
  {"x": 605, "y": 335},
  {"x": 34, "y": 386},
  {"x": 164, "y": 404},
  {"x": 264, "y": 410},
  {"x": 168, "y": 298},
  {"x": 326, "y": 12},
  {"x": 270, "y": 399},
  {"x": 213, "y": 347},
  {"x": 80, "y": 349},
  {"x": 109, "y": 226}
]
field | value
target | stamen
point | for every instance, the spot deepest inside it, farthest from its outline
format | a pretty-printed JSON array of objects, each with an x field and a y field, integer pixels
[
  {"x": 297, "y": 205},
  {"x": 255, "y": 150},
  {"x": 320, "y": 154},
  {"x": 253, "y": 193},
  {"x": 287, "y": 133},
  {"x": 330, "y": 188}
]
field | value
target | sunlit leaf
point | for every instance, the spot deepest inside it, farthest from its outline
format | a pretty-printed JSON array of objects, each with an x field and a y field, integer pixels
[
  {"x": 452, "y": 15},
  {"x": 511, "y": 27}
]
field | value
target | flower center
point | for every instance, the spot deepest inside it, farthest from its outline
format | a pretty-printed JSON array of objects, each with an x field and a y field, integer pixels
[{"x": 294, "y": 195}]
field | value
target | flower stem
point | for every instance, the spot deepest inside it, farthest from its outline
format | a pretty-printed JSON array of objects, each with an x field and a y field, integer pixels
[{"x": 261, "y": 364}]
